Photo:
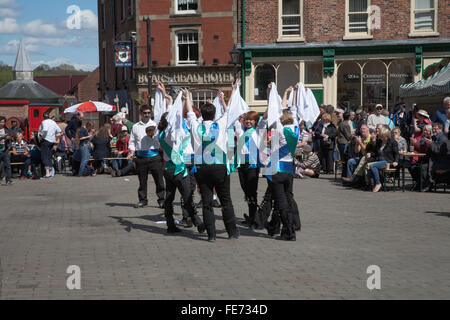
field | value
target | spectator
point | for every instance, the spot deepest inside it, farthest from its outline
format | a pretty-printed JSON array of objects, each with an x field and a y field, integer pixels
[
  {"x": 304, "y": 137},
  {"x": 385, "y": 152},
  {"x": 310, "y": 164},
  {"x": 122, "y": 151},
  {"x": 420, "y": 120},
  {"x": 403, "y": 120},
  {"x": 21, "y": 153},
  {"x": 35, "y": 155},
  {"x": 376, "y": 118},
  {"x": 116, "y": 127},
  {"x": 447, "y": 122},
  {"x": 14, "y": 128},
  {"x": 441, "y": 113},
  {"x": 317, "y": 129},
  {"x": 49, "y": 134},
  {"x": 389, "y": 121},
  {"x": 440, "y": 158},
  {"x": 401, "y": 142},
  {"x": 102, "y": 149},
  {"x": 344, "y": 137},
  {"x": 420, "y": 146},
  {"x": 5, "y": 145},
  {"x": 356, "y": 152},
  {"x": 327, "y": 137},
  {"x": 74, "y": 123},
  {"x": 83, "y": 149},
  {"x": 330, "y": 110}
]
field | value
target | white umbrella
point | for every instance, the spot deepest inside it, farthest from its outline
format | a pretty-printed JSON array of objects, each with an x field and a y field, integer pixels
[{"x": 90, "y": 106}]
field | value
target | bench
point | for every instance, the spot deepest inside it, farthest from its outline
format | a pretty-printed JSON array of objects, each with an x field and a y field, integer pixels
[{"x": 391, "y": 172}]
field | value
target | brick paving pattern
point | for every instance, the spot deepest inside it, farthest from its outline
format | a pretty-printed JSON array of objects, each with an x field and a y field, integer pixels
[{"x": 45, "y": 226}]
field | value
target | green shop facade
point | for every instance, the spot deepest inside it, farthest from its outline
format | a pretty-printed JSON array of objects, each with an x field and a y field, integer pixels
[{"x": 346, "y": 74}]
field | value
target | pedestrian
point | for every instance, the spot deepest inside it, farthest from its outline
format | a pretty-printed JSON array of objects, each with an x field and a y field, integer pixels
[
  {"x": 48, "y": 133},
  {"x": 5, "y": 146},
  {"x": 145, "y": 145},
  {"x": 74, "y": 123}
]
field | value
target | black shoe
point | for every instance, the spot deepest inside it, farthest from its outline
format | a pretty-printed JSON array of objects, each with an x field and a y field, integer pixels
[
  {"x": 173, "y": 230},
  {"x": 187, "y": 222},
  {"x": 113, "y": 173},
  {"x": 161, "y": 203},
  {"x": 211, "y": 238},
  {"x": 285, "y": 238},
  {"x": 199, "y": 204},
  {"x": 216, "y": 204},
  {"x": 118, "y": 174},
  {"x": 426, "y": 189},
  {"x": 235, "y": 235},
  {"x": 246, "y": 219},
  {"x": 201, "y": 228},
  {"x": 141, "y": 205}
]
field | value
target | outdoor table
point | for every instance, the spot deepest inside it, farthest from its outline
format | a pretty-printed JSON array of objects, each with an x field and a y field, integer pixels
[{"x": 411, "y": 155}]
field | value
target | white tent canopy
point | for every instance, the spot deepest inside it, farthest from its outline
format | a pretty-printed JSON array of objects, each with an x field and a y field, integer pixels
[{"x": 437, "y": 84}]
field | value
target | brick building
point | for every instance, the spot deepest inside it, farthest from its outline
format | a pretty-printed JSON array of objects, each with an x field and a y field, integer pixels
[
  {"x": 190, "y": 45},
  {"x": 332, "y": 49}
]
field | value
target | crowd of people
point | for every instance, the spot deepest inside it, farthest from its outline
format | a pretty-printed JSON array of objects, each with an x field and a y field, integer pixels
[{"x": 189, "y": 148}]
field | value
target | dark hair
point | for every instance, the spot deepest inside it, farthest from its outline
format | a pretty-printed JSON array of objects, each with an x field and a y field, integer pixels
[
  {"x": 2, "y": 118},
  {"x": 346, "y": 115},
  {"x": 145, "y": 107},
  {"x": 89, "y": 126},
  {"x": 102, "y": 133},
  {"x": 208, "y": 111},
  {"x": 252, "y": 115},
  {"x": 329, "y": 109},
  {"x": 151, "y": 130},
  {"x": 371, "y": 108},
  {"x": 438, "y": 124},
  {"x": 46, "y": 114},
  {"x": 162, "y": 125}
]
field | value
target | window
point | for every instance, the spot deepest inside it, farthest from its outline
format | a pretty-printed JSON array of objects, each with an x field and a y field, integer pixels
[
  {"x": 356, "y": 19},
  {"x": 264, "y": 75},
  {"x": 187, "y": 48},
  {"x": 313, "y": 73},
  {"x": 199, "y": 97},
  {"x": 287, "y": 75},
  {"x": 424, "y": 16},
  {"x": 35, "y": 113},
  {"x": 290, "y": 18},
  {"x": 186, "y": 6}
]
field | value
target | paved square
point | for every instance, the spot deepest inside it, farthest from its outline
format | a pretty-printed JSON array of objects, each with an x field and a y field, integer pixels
[{"x": 123, "y": 253}]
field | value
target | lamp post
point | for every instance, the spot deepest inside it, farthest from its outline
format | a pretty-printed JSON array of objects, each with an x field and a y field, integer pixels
[
  {"x": 149, "y": 64},
  {"x": 235, "y": 55}
]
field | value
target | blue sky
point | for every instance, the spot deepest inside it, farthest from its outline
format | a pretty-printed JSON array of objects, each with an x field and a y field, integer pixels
[{"x": 43, "y": 27}]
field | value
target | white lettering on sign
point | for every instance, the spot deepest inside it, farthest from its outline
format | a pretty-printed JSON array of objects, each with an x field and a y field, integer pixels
[{"x": 215, "y": 77}]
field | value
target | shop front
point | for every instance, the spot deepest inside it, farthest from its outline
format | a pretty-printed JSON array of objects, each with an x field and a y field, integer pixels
[{"x": 344, "y": 74}]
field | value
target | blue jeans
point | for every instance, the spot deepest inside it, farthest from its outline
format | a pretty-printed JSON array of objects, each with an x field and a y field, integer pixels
[
  {"x": 374, "y": 169},
  {"x": 85, "y": 153},
  {"x": 351, "y": 165},
  {"x": 5, "y": 160}
]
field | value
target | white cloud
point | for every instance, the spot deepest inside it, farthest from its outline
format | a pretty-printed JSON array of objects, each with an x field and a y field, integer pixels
[
  {"x": 12, "y": 46},
  {"x": 8, "y": 13},
  {"x": 9, "y": 4},
  {"x": 9, "y": 26},
  {"x": 89, "y": 20},
  {"x": 59, "y": 61},
  {"x": 40, "y": 29}
]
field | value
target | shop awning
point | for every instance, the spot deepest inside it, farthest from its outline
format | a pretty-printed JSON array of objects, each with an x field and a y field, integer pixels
[{"x": 437, "y": 84}]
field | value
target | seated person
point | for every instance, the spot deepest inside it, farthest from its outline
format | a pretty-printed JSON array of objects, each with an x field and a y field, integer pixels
[
  {"x": 21, "y": 153},
  {"x": 122, "y": 151},
  {"x": 439, "y": 151},
  {"x": 35, "y": 156},
  {"x": 310, "y": 164},
  {"x": 385, "y": 153},
  {"x": 420, "y": 146},
  {"x": 356, "y": 150}
]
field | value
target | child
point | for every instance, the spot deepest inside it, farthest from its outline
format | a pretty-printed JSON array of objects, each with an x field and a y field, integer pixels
[{"x": 310, "y": 164}]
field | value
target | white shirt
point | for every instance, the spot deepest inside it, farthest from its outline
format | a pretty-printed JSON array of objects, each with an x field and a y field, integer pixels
[
  {"x": 48, "y": 130},
  {"x": 139, "y": 141},
  {"x": 257, "y": 136}
]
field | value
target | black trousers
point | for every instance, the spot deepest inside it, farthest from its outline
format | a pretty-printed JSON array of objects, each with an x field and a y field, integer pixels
[
  {"x": 326, "y": 159},
  {"x": 248, "y": 178},
  {"x": 154, "y": 166},
  {"x": 265, "y": 209},
  {"x": 210, "y": 176},
  {"x": 281, "y": 186},
  {"x": 192, "y": 186},
  {"x": 184, "y": 187}
]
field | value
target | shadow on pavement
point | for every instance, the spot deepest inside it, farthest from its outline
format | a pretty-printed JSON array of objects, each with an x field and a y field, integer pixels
[{"x": 440, "y": 213}]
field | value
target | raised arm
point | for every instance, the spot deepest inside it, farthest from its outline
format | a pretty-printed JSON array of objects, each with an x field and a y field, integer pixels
[{"x": 285, "y": 97}]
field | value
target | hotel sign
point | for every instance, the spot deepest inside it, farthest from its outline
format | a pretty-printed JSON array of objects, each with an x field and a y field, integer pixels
[{"x": 188, "y": 78}]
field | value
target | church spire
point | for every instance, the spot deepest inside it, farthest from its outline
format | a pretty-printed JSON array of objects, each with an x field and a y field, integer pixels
[{"x": 22, "y": 67}]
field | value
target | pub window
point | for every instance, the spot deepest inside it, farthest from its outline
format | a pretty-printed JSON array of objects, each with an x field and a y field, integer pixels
[
  {"x": 264, "y": 75},
  {"x": 290, "y": 18},
  {"x": 199, "y": 98},
  {"x": 349, "y": 85},
  {"x": 186, "y": 6},
  {"x": 287, "y": 75},
  {"x": 35, "y": 113},
  {"x": 424, "y": 15},
  {"x": 356, "y": 17},
  {"x": 187, "y": 48},
  {"x": 313, "y": 73},
  {"x": 374, "y": 83}
]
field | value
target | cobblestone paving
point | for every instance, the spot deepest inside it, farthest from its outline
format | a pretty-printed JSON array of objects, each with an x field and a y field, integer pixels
[{"x": 46, "y": 226}]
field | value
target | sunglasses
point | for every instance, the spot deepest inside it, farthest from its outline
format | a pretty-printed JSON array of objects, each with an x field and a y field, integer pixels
[{"x": 146, "y": 113}]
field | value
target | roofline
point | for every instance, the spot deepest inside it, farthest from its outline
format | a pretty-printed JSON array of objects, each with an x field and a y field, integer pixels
[{"x": 18, "y": 102}]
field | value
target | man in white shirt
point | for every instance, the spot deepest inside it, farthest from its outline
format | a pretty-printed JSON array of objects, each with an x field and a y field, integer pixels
[
  {"x": 144, "y": 145},
  {"x": 376, "y": 118},
  {"x": 48, "y": 133}
]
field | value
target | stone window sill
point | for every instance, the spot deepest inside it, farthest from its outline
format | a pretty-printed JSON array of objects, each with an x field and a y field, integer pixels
[
  {"x": 296, "y": 39},
  {"x": 357, "y": 37},
  {"x": 423, "y": 34}
]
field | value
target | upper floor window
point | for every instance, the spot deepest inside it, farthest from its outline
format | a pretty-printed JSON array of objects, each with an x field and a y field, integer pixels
[
  {"x": 186, "y": 6},
  {"x": 187, "y": 48},
  {"x": 424, "y": 16},
  {"x": 290, "y": 18},
  {"x": 356, "y": 17}
]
